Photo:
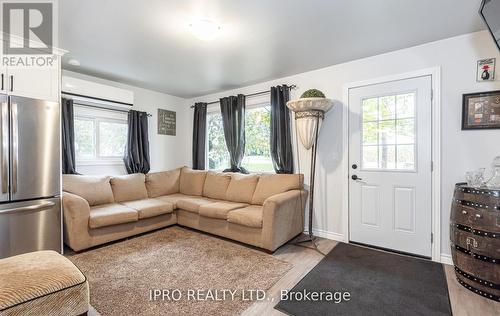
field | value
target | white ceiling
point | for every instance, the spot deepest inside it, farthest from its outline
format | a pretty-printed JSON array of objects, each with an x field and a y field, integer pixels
[{"x": 148, "y": 43}]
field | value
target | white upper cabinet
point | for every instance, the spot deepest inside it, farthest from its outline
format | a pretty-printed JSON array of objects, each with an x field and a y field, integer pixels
[
  {"x": 34, "y": 82},
  {"x": 32, "y": 76}
]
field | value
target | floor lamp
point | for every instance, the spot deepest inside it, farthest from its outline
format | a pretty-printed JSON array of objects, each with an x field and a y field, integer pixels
[{"x": 309, "y": 113}]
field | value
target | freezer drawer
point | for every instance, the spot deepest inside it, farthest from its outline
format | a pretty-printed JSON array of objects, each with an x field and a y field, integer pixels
[{"x": 30, "y": 226}]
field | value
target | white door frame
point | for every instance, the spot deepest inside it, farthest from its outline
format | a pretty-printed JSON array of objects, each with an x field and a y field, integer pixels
[{"x": 435, "y": 73}]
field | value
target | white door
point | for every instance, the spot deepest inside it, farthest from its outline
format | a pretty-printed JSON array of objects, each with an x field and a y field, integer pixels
[{"x": 390, "y": 165}]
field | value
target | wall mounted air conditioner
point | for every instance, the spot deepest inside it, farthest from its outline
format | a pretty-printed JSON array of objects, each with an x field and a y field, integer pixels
[{"x": 84, "y": 90}]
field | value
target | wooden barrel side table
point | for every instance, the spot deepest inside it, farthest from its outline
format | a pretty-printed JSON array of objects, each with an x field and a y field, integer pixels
[{"x": 475, "y": 239}]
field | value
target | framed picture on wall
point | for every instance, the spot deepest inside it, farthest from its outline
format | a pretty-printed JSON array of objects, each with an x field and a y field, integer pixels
[{"x": 481, "y": 110}]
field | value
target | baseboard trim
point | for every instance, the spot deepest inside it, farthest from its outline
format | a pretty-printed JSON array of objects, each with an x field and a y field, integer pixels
[
  {"x": 328, "y": 235},
  {"x": 446, "y": 259}
]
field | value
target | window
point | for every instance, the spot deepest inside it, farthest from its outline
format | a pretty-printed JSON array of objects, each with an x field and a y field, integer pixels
[
  {"x": 258, "y": 134},
  {"x": 257, "y": 138},
  {"x": 100, "y": 136},
  {"x": 388, "y": 132}
]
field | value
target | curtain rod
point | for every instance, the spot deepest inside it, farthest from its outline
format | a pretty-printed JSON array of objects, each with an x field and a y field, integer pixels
[
  {"x": 291, "y": 87},
  {"x": 99, "y": 106}
]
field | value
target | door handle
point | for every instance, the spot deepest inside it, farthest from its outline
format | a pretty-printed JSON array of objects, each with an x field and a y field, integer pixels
[
  {"x": 30, "y": 208},
  {"x": 4, "y": 149},
  {"x": 358, "y": 179},
  {"x": 15, "y": 147},
  {"x": 11, "y": 83}
]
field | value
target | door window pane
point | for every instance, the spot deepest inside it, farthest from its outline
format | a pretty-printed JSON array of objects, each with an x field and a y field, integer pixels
[
  {"x": 406, "y": 157},
  {"x": 370, "y": 133},
  {"x": 370, "y": 157},
  {"x": 112, "y": 139},
  {"x": 84, "y": 139},
  {"x": 370, "y": 109},
  {"x": 387, "y": 107},
  {"x": 406, "y": 131},
  {"x": 389, "y": 132}
]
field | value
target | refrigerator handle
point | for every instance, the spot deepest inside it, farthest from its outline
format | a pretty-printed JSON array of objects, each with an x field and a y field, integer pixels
[
  {"x": 31, "y": 208},
  {"x": 4, "y": 149},
  {"x": 15, "y": 154}
]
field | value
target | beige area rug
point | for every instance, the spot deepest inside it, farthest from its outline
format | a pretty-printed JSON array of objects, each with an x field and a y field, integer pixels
[{"x": 122, "y": 274}]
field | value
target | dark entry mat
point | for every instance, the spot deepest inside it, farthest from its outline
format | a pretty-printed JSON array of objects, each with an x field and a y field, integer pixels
[{"x": 379, "y": 283}]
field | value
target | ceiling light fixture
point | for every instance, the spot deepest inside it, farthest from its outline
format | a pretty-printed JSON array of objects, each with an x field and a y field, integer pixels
[
  {"x": 73, "y": 62},
  {"x": 205, "y": 29}
]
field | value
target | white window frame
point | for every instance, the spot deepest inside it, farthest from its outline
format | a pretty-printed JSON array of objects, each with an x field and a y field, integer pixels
[
  {"x": 252, "y": 103},
  {"x": 99, "y": 116}
]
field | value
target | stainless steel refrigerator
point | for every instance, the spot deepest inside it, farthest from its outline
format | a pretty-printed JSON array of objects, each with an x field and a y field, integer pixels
[{"x": 30, "y": 207}]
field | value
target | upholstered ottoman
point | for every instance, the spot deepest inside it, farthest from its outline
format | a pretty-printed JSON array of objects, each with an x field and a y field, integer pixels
[{"x": 42, "y": 283}]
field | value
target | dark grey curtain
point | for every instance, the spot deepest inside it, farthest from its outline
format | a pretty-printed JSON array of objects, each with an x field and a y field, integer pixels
[
  {"x": 281, "y": 132},
  {"x": 68, "y": 137},
  {"x": 233, "y": 120},
  {"x": 137, "y": 150},
  {"x": 199, "y": 135}
]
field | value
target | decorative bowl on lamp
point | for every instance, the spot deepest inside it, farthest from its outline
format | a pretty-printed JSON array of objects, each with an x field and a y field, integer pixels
[{"x": 308, "y": 113}]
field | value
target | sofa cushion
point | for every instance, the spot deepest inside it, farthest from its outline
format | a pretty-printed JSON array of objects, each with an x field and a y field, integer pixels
[
  {"x": 192, "y": 181},
  {"x": 174, "y": 198},
  {"x": 130, "y": 187},
  {"x": 111, "y": 214},
  {"x": 272, "y": 184},
  {"x": 241, "y": 188},
  {"x": 150, "y": 207},
  {"x": 219, "y": 209},
  {"x": 192, "y": 204},
  {"x": 163, "y": 183},
  {"x": 250, "y": 216},
  {"x": 96, "y": 190},
  {"x": 216, "y": 184}
]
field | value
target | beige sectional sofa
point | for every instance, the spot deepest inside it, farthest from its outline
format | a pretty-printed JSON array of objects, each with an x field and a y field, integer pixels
[{"x": 263, "y": 210}]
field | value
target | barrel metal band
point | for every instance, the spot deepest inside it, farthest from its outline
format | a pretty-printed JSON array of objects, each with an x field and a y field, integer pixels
[
  {"x": 495, "y": 193},
  {"x": 477, "y": 205},
  {"x": 476, "y": 256},
  {"x": 478, "y": 232},
  {"x": 478, "y": 291},
  {"x": 477, "y": 280}
]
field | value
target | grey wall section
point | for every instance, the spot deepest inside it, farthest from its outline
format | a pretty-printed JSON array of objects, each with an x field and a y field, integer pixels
[
  {"x": 166, "y": 152},
  {"x": 461, "y": 150}
]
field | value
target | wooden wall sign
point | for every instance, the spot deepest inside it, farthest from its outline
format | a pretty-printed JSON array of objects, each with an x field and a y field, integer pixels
[{"x": 166, "y": 122}]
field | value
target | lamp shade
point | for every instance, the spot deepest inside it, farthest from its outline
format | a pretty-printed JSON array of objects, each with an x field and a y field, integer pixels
[{"x": 308, "y": 114}]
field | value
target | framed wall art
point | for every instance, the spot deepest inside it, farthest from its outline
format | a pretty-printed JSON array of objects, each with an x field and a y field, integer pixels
[
  {"x": 166, "y": 122},
  {"x": 481, "y": 110}
]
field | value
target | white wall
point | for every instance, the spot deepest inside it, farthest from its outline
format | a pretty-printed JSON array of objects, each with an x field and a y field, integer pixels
[
  {"x": 461, "y": 150},
  {"x": 167, "y": 152}
]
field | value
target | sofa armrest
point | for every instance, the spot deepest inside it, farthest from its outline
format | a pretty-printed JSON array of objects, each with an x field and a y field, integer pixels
[
  {"x": 76, "y": 211},
  {"x": 283, "y": 218}
]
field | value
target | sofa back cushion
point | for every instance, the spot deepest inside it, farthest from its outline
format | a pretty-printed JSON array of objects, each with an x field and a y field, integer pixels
[
  {"x": 272, "y": 184},
  {"x": 192, "y": 181},
  {"x": 216, "y": 184},
  {"x": 129, "y": 187},
  {"x": 242, "y": 187},
  {"x": 96, "y": 190},
  {"x": 163, "y": 183}
]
